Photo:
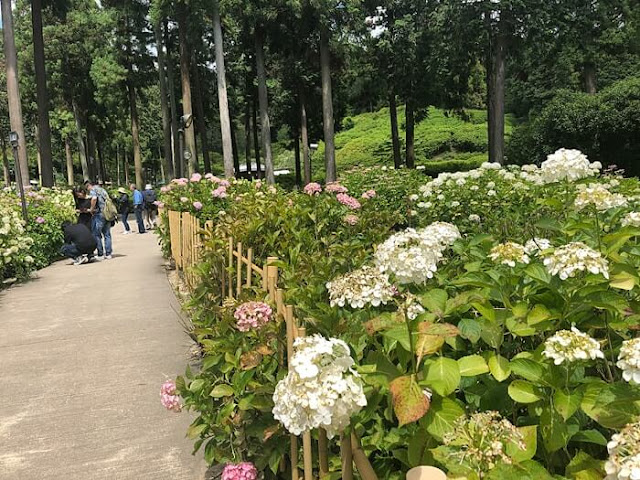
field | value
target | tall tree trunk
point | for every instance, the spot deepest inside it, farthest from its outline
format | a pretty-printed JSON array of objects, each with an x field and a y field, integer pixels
[
  {"x": 69, "y": 156},
  {"x": 13, "y": 89},
  {"x": 135, "y": 134},
  {"x": 234, "y": 148},
  {"x": 410, "y": 134},
  {"x": 327, "y": 108},
  {"x": 189, "y": 130},
  {"x": 102, "y": 168},
  {"x": 42, "y": 98},
  {"x": 590, "y": 79},
  {"x": 395, "y": 136},
  {"x": 304, "y": 134},
  {"x": 496, "y": 98},
  {"x": 126, "y": 167},
  {"x": 82, "y": 150},
  {"x": 247, "y": 136},
  {"x": 171, "y": 86},
  {"x": 91, "y": 150},
  {"x": 118, "y": 164},
  {"x": 200, "y": 121},
  {"x": 296, "y": 151},
  {"x": 256, "y": 143},
  {"x": 164, "y": 102},
  {"x": 5, "y": 162},
  {"x": 263, "y": 98},
  {"x": 38, "y": 156},
  {"x": 223, "y": 102}
]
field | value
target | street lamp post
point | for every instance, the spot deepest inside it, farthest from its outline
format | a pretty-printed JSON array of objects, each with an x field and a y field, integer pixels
[{"x": 13, "y": 140}]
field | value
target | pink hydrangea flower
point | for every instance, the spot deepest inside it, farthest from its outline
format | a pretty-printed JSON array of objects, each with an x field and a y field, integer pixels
[
  {"x": 180, "y": 181},
  {"x": 168, "y": 396},
  {"x": 224, "y": 183},
  {"x": 351, "y": 219},
  {"x": 159, "y": 204},
  {"x": 196, "y": 177},
  {"x": 40, "y": 220},
  {"x": 335, "y": 187},
  {"x": 348, "y": 201},
  {"x": 313, "y": 189},
  {"x": 164, "y": 189},
  {"x": 209, "y": 176},
  {"x": 252, "y": 315},
  {"x": 214, "y": 179},
  {"x": 197, "y": 205},
  {"x": 184, "y": 199},
  {"x": 220, "y": 192},
  {"x": 240, "y": 471},
  {"x": 258, "y": 184},
  {"x": 369, "y": 194}
]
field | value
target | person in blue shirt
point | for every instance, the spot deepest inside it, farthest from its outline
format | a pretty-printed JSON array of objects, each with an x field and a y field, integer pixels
[
  {"x": 100, "y": 227},
  {"x": 138, "y": 207}
]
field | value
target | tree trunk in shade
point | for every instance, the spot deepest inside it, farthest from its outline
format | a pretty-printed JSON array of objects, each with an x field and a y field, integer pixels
[
  {"x": 185, "y": 79},
  {"x": 13, "y": 89},
  {"x": 410, "y": 134},
  {"x": 178, "y": 168},
  {"x": 247, "y": 136},
  {"x": 5, "y": 162},
  {"x": 69, "y": 157},
  {"x": 327, "y": 108},
  {"x": 395, "y": 136},
  {"x": 82, "y": 149},
  {"x": 495, "y": 91},
  {"x": 200, "y": 120},
  {"x": 126, "y": 167},
  {"x": 256, "y": 142},
  {"x": 135, "y": 135},
  {"x": 234, "y": 149},
  {"x": 264, "y": 106},
  {"x": 590, "y": 78},
  {"x": 304, "y": 134},
  {"x": 164, "y": 103},
  {"x": 296, "y": 151}
]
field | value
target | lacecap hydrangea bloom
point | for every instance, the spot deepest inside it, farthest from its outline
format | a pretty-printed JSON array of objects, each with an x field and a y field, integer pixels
[
  {"x": 313, "y": 189},
  {"x": 335, "y": 187},
  {"x": 624, "y": 454},
  {"x": 568, "y": 260},
  {"x": 348, "y": 201},
  {"x": 252, "y": 316},
  {"x": 537, "y": 245},
  {"x": 321, "y": 389},
  {"x": 365, "y": 286},
  {"x": 631, "y": 220},
  {"x": 412, "y": 256},
  {"x": 600, "y": 197},
  {"x": 509, "y": 253},
  {"x": 629, "y": 360},
  {"x": 168, "y": 396},
  {"x": 571, "y": 346},
  {"x": 568, "y": 165},
  {"x": 240, "y": 471}
]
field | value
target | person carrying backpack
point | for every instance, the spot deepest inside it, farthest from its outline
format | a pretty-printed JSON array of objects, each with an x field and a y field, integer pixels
[
  {"x": 124, "y": 207},
  {"x": 104, "y": 213},
  {"x": 150, "y": 208}
]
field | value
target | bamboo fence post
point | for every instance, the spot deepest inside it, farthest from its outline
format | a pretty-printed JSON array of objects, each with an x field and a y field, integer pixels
[
  {"x": 239, "y": 271},
  {"x": 249, "y": 266},
  {"x": 364, "y": 467},
  {"x": 229, "y": 266},
  {"x": 272, "y": 277},
  {"x": 323, "y": 452},
  {"x": 307, "y": 453},
  {"x": 346, "y": 455},
  {"x": 289, "y": 324}
]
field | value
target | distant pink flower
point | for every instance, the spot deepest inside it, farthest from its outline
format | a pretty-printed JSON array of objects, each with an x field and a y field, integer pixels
[
  {"x": 290, "y": 202},
  {"x": 184, "y": 199},
  {"x": 209, "y": 176},
  {"x": 258, "y": 184},
  {"x": 351, "y": 219},
  {"x": 180, "y": 181},
  {"x": 335, "y": 187},
  {"x": 224, "y": 183},
  {"x": 369, "y": 194},
  {"x": 168, "y": 396},
  {"x": 164, "y": 189},
  {"x": 196, "y": 177},
  {"x": 313, "y": 189},
  {"x": 240, "y": 471},
  {"x": 40, "y": 220},
  {"x": 159, "y": 204},
  {"x": 252, "y": 315},
  {"x": 197, "y": 205},
  {"x": 348, "y": 201},
  {"x": 220, "y": 192},
  {"x": 214, "y": 179}
]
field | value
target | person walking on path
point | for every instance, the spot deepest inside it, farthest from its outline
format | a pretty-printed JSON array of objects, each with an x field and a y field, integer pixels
[
  {"x": 79, "y": 243},
  {"x": 150, "y": 208},
  {"x": 124, "y": 206},
  {"x": 138, "y": 206},
  {"x": 100, "y": 227}
]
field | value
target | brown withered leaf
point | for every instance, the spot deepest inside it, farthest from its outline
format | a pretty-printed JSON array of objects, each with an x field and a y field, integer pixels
[
  {"x": 270, "y": 431},
  {"x": 264, "y": 350},
  {"x": 442, "y": 329},
  {"x": 383, "y": 322},
  {"x": 250, "y": 360},
  {"x": 410, "y": 403},
  {"x": 431, "y": 337}
]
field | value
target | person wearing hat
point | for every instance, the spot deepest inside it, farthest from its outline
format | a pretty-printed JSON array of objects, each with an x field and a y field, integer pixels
[
  {"x": 124, "y": 207},
  {"x": 150, "y": 207}
]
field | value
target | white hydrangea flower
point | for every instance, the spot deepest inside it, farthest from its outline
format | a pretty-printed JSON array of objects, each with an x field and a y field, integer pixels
[
  {"x": 474, "y": 218},
  {"x": 624, "y": 454},
  {"x": 568, "y": 260},
  {"x": 629, "y": 360},
  {"x": 509, "y": 253},
  {"x": 321, "y": 388},
  {"x": 631, "y": 219},
  {"x": 365, "y": 286},
  {"x": 568, "y": 165},
  {"x": 536, "y": 245},
  {"x": 600, "y": 197},
  {"x": 570, "y": 346}
]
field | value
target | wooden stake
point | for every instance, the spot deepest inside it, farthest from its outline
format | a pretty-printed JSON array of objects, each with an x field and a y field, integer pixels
[
  {"x": 239, "y": 271},
  {"x": 295, "y": 473},
  {"x": 365, "y": 469},
  {"x": 229, "y": 266},
  {"x": 307, "y": 454},
  {"x": 249, "y": 266},
  {"x": 346, "y": 456},
  {"x": 323, "y": 452}
]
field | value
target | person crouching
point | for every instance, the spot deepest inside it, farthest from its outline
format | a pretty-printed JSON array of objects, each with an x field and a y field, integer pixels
[{"x": 79, "y": 243}]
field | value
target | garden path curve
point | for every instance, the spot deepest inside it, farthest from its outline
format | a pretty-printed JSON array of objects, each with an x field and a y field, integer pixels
[{"x": 83, "y": 352}]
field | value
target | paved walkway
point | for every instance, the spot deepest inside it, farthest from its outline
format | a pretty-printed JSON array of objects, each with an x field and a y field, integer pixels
[{"x": 83, "y": 352}]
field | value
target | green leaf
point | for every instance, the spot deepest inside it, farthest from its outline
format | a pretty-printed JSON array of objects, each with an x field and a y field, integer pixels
[
  {"x": 520, "y": 328},
  {"x": 435, "y": 301},
  {"x": 400, "y": 334},
  {"x": 442, "y": 375},
  {"x": 418, "y": 450},
  {"x": 555, "y": 431},
  {"x": 623, "y": 281},
  {"x": 522, "y": 391},
  {"x": 221, "y": 390},
  {"x": 197, "y": 385},
  {"x": 528, "y": 470},
  {"x": 410, "y": 403},
  {"x": 194, "y": 431},
  {"x": 499, "y": 367},
  {"x": 611, "y": 405},
  {"x": 590, "y": 436},
  {"x": 472, "y": 365},
  {"x": 530, "y": 439},
  {"x": 528, "y": 369},
  {"x": 567, "y": 403},
  {"x": 538, "y": 272},
  {"x": 538, "y": 314},
  {"x": 441, "y": 417},
  {"x": 470, "y": 329},
  {"x": 491, "y": 333},
  {"x": 584, "y": 467}
]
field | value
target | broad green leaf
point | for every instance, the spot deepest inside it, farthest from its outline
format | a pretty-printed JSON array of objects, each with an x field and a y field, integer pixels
[
  {"x": 522, "y": 391},
  {"x": 590, "y": 436},
  {"x": 538, "y": 314},
  {"x": 221, "y": 390},
  {"x": 435, "y": 301},
  {"x": 623, "y": 281},
  {"x": 530, "y": 439},
  {"x": 400, "y": 334},
  {"x": 462, "y": 302},
  {"x": 442, "y": 375},
  {"x": 441, "y": 417},
  {"x": 194, "y": 431},
  {"x": 472, "y": 365},
  {"x": 486, "y": 310},
  {"x": 383, "y": 322},
  {"x": 528, "y": 470},
  {"x": 520, "y": 328},
  {"x": 499, "y": 367},
  {"x": 197, "y": 385},
  {"x": 528, "y": 369},
  {"x": 584, "y": 467},
  {"x": 418, "y": 450},
  {"x": 611, "y": 405},
  {"x": 491, "y": 333},
  {"x": 470, "y": 329},
  {"x": 538, "y": 272},
  {"x": 567, "y": 403},
  {"x": 409, "y": 401},
  {"x": 555, "y": 431}
]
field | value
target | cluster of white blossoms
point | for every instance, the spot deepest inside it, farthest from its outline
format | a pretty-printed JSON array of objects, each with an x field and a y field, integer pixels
[
  {"x": 14, "y": 241},
  {"x": 624, "y": 454},
  {"x": 412, "y": 256},
  {"x": 365, "y": 286},
  {"x": 509, "y": 253},
  {"x": 571, "y": 346},
  {"x": 629, "y": 360},
  {"x": 599, "y": 196},
  {"x": 631, "y": 220},
  {"x": 568, "y": 260},
  {"x": 321, "y": 389},
  {"x": 568, "y": 165},
  {"x": 537, "y": 245}
]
